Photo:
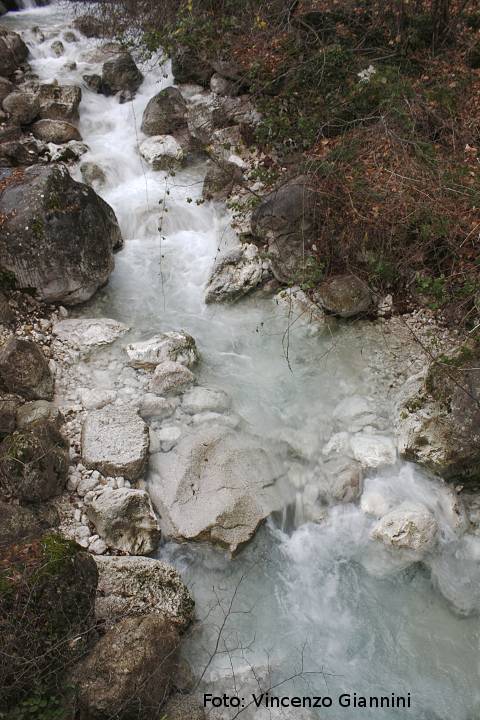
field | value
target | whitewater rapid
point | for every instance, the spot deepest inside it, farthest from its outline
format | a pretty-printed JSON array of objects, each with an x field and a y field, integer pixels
[{"x": 318, "y": 597}]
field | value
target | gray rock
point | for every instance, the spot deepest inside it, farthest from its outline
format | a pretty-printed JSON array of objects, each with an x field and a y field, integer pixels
[
  {"x": 21, "y": 523},
  {"x": 6, "y": 313},
  {"x": 22, "y": 152},
  {"x": 6, "y": 87},
  {"x": 124, "y": 518},
  {"x": 58, "y": 48},
  {"x": 59, "y": 102},
  {"x": 34, "y": 463},
  {"x": 345, "y": 295},
  {"x": 215, "y": 485},
  {"x": 202, "y": 399},
  {"x": 93, "y": 82},
  {"x": 409, "y": 527},
  {"x": 129, "y": 672},
  {"x": 55, "y": 131},
  {"x": 184, "y": 707},
  {"x": 204, "y": 115},
  {"x": 190, "y": 67},
  {"x": 71, "y": 151},
  {"x": 235, "y": 274},
  {"x": 154, "y": 406},
  {"x": 24, "y": 370},
  {"x": 170, "y": 378},
  {"x": 165, "y": 113},
  {"x": 220, "y": 179},
  {"x": 120, "y": 74},
  {"x": 22, "y": 107},
  {"x": 13, "y": 52},
  {"x": 173, "y": 346},
  {"x": 8, "y": 414},
  {"x": 36, "y": 410},
  {"x": 89, "y": 25},
  {"x": 286, "y": 222},
  {"x": 138, "y": 586},
  {"x": 89, "y": 332},
  {"x": 70, "y": 37},
  {"x": 92, "y": 173},
  {"x": 115, "y": 441},
  {"x": 300, "y": 309},
  {"x": 222, "y": 86},
  {"x": 438, "y": 421},
  {"x": 43, "y": 209}
]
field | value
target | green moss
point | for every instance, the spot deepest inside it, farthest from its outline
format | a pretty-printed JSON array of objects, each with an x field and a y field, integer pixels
[
  {"x": 38, "y": 228},
  {"x": 58, "y": 553},
  {"x": 7, "y": 279}
]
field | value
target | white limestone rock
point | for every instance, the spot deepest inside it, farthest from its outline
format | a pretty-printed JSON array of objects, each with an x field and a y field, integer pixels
[
  {"x": 154, "y": 406},
  {"x": 94, "y": 399},
  {"x": 139, "y": 585},
  {"x": 373, "y": 450},
  {"x": 162, "y": 152},
  {"x": 173, "y": 346},
  {"x": 89, "y": 332},
  {"x": 115, "y": 441},
  {"x": 124, "y": 518},
  {"x": 410, "y": 526},
  {"x": 235, "y": 274},
  {"x": 216, "y": 485},
  {"x": 300, "y": 309}
]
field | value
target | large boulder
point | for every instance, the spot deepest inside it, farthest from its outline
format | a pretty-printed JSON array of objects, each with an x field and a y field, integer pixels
[
  {"x": 55, "y": 131},
  {"x": 124, "y": 518},
  {"x": 115, "y": 441},
  {"x": 171, "y": 346},
  {"x": 90, "y": 26},
  {"x": 235, "y": 274},
  {"x": 21, "y": 107},
  {"x": 119, "y": 74},
  {"x": 58, "y": 236},
  {"x": 215, "y": 485},
  {"x": 286, "y": 222},
  {"x": 345, "y": 296},
  {"x": 410, "y": 526},
  {"x": 129, "y": 672},
  {"x": 139, "y": 586},
  {"x": 190, "y": 67},
  {"x": 34, "y": 463},
  {"x": 13, "y": 52},
  {"x": 46, "y": 614},
  {"x": 162, "y": 152},
  {"x": 438, "y": 422},
  {"x": 24, "y": 370},
  {"x": 165, "y": 113},
  {"x": 59, "y": 102}
]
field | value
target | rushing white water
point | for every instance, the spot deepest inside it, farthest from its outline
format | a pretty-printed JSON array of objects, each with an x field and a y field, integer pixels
[{"x": 365, "y": 620}]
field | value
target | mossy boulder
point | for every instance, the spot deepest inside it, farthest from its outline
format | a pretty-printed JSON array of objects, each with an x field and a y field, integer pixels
[
  {"x": 24, "y": 370},
  {"x": 47, "y": 595},
  {"x": 439, "y": 420},
  {"x": 34, "y": 463}
]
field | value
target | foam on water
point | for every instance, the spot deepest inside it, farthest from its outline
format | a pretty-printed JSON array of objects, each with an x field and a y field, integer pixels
[{"x": 364, "y": 616}]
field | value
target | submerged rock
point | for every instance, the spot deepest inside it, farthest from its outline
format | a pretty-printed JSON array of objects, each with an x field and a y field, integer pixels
[
  {"x": 87, "y": 333},
  {"x": 300, "y": 309},
  {"x": 171, "y": 346},
  {"x": 57, "y": 48},
  {"x": 215, "y": 485},
  {"x": 235, "y": 274},
  {"x": 124, "y": 518},
  {"x": 373, "y": 450},
  {"x": 202, "y": 399},
  {"x": 115, "y": 442},
  {"x": 24, "y": 370},
  {"x": 162, "y": 152},
  {"x": 92, "y": 173},
  {"x": 345, "y": 296},
  {"x": 138, "y": 586},
  {"x": 58, "y": 236},
  {"x": 129, "y": 672},
  {"x": 166, "y": 112},
  {"x": 410, "y": 526}
]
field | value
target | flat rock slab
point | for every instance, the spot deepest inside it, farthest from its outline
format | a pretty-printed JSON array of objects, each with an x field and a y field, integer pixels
[
  {"x": 115, "y": 441},
  {"x": 216, "y": 485},
  {"x": 88, "y": 332},
  {"x": 139, "y": 585}
]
